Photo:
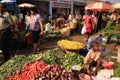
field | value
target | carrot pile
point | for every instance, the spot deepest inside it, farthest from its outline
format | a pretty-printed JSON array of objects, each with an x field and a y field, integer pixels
[{"x": 29, "y": 71}]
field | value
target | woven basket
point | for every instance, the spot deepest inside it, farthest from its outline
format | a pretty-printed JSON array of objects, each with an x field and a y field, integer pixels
[
  {"x": 65, "y": 32},
  {"x": 67, "y": 51}
]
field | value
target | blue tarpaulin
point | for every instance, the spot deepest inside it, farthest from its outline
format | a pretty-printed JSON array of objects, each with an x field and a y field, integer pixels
[{"x": 9, "y": 2}]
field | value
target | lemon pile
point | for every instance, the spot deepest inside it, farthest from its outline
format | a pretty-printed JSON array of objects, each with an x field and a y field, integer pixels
[{"x": 70, "y": 45}]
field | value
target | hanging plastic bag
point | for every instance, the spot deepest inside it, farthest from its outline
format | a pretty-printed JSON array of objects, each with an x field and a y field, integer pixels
[{"x": 83, "y": 30}]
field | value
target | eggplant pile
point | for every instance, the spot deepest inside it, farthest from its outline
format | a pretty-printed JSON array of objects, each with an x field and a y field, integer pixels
[{"x": 55, "y": 72}]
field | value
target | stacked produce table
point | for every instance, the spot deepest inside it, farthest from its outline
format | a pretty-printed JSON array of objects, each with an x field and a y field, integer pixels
[{"x": 52, "y": 58}]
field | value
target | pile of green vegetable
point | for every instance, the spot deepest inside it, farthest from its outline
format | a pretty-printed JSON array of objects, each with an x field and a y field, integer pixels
[
  {"x": 71, "y": 59},
  {"x": 111, "y": 32},
  {"x": 53, "y": 56},
  {"x": 117, "y": 71},
  {"x": 109, "y": 24},
  {"x": 57, "y": 56},
  {"x": 111, "y": 29},
  {"x": 12, "y": 66}
]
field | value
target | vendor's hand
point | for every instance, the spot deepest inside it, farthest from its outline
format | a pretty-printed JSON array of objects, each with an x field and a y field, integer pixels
[{"x": 42, "y": 32}]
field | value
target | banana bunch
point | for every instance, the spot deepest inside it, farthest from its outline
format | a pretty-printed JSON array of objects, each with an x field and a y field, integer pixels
[{"x": 70, "y": 45}]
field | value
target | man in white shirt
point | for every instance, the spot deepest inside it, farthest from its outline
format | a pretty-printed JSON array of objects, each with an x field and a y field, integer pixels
[{"x": 6, "y": 24}]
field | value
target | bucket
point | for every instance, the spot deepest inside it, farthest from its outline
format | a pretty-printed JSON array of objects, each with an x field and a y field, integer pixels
[{"x": 118, "y": 54}]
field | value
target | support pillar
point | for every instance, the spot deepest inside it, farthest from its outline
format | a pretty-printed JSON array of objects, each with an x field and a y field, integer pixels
[
  {"x": 72, "y": 6},
  {"x": 50, "y": 8}
]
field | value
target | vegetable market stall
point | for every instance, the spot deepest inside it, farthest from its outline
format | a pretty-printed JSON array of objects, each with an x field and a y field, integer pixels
[
  {"x": 50, "y": 57},
  {"x": 51, "y": 64}
]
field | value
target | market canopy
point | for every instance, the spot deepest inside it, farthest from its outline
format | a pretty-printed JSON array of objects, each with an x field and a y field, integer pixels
[
  {"x": 99, "y": 6},
  {"x": 26, "y": 5},
  {"x": 116, "y": 6}
]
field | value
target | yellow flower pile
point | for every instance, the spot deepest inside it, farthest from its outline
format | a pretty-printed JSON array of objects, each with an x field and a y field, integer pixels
[{"x": 70, "y": 45}]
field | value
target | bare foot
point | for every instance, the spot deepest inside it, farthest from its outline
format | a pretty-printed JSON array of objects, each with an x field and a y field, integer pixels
[
  {"x": 88, "y": 71},
  {"x": 94, "y": 73}
]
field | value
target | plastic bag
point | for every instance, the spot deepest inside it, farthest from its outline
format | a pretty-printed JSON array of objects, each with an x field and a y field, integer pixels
[
  {"x": 83, "y": 30},
  {"x": 29, "y": 40}
]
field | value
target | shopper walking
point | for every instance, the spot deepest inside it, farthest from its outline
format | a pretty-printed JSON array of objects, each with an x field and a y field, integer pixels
[
  {"x": 89, "y": 24},
  {"x": 27, "y": 20},
  {"x": 15, "y": 20},
  {"x": 36, "y": 28},
  {"x": 6, "y": 24}
]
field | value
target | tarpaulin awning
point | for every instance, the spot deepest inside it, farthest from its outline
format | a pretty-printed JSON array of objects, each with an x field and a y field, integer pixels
[
  {"x": 26, "y": 5},
  {"x": 99, "y": 6}
]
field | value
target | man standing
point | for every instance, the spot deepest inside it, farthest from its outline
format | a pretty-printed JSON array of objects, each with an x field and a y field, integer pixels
[{"x": 6, "y": 24}]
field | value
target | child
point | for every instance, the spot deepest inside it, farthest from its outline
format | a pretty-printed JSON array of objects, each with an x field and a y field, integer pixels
[
  {"x": 91, "y": 40},
  {"x": 93, "y": 58}
]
